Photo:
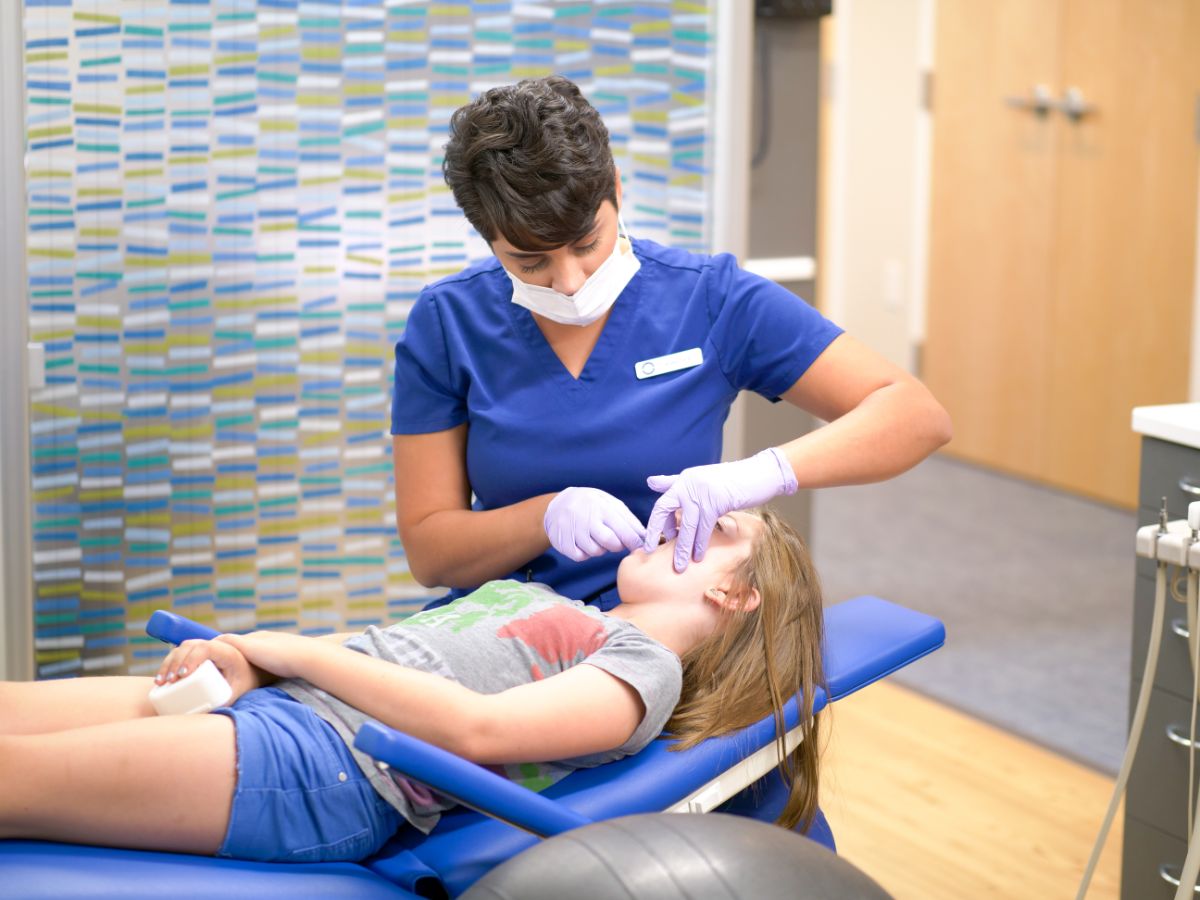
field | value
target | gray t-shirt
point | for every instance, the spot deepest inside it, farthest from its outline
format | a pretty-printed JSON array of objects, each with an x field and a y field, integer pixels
[{"x": 502, "y": 635}]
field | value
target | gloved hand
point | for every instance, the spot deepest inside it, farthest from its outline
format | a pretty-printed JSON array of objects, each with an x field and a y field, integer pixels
[
  {"x": 584, "y": 521},
  {"x": 702, "y": 494}
]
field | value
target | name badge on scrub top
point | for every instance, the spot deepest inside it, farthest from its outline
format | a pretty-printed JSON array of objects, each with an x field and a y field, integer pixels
[{"x": 672, "y": 362}]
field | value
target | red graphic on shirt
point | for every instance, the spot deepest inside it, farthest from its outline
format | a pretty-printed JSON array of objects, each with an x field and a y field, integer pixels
[{"x": 558, "y": 634}]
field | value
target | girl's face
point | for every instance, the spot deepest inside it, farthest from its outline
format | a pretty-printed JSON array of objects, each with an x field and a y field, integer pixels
[
  {"x": 651, "y": 576},
  {"x": 565, "y": 268}
]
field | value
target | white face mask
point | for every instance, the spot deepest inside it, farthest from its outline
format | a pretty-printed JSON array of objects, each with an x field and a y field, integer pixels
[{"x": 595, "y": 296}]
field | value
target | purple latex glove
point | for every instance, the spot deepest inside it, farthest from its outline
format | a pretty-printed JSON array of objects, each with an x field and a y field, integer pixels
[
  {"x": 584, "y": 521},
  {"x": 702, "y": 494}
]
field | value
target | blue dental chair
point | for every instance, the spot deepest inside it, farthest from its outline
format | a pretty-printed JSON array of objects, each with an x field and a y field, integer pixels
[{"x": 865, "y": 639}]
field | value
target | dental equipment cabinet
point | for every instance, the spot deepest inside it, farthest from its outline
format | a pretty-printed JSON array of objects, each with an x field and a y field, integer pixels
[{"x": 1157, "y": 800}]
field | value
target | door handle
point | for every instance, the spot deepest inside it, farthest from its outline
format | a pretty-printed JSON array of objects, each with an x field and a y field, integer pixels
[
  {"x": 1039, "y": 102},
  {"x": 1073, "y": 105}
]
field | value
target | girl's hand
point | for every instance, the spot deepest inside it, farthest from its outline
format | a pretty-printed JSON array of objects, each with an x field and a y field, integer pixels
[
  {"x": 230, "y": 662},
  {"x": 276, "y": 652}
]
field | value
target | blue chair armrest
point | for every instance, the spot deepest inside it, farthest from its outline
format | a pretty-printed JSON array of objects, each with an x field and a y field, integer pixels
[
  {"x": 467, "y": 783},
  {"x": 171, "y": 628}
]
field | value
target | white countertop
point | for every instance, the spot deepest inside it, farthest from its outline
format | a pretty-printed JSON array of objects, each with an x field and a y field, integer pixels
[{"x": 1178, "y": 423}]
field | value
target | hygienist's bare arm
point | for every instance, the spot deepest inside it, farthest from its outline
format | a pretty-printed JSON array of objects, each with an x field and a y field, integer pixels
[
  {"x": 449, "y": 544},
  {"x": 881, "y": 420},
  {"x": 580, "y": 711}
]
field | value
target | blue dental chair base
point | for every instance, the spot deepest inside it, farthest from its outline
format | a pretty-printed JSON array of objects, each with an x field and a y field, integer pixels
[
  {"x": 34, "y": 870},
  {"x": 866, "y": 639}
]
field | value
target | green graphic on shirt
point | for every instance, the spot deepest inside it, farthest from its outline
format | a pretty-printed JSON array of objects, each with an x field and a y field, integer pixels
[
  {"x": 494, "y": 600},
  {"x": 531, "y": 775}
]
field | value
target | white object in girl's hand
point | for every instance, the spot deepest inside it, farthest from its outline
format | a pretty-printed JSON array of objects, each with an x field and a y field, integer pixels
[{"x": 202, "y": 691}]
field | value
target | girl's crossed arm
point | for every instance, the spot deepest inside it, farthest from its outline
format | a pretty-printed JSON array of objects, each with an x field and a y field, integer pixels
[{"x": 580, "y": 711}]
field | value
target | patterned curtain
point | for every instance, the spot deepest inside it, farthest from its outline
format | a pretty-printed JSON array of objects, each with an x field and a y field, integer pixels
[{"x": 232, "y": 205}]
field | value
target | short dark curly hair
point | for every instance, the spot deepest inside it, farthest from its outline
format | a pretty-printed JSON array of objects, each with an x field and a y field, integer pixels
[{"x": 530, "y": 162}]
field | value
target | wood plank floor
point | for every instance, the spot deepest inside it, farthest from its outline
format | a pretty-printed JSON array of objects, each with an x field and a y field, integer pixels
[{"x": 935, "y": 804}]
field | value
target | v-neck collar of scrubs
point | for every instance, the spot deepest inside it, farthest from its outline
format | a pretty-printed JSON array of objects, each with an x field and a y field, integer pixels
[{"x": 619, "y": 317}]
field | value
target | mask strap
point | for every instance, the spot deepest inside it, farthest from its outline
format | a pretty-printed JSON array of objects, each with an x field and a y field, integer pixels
[{"x": 622, "y": 231}]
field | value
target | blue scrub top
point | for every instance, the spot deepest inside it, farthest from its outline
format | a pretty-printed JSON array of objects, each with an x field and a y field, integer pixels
[{"x": 469, "y": 354}]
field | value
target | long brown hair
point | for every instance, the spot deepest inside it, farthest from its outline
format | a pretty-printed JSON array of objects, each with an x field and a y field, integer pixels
[{"x": 759, "y": 659}]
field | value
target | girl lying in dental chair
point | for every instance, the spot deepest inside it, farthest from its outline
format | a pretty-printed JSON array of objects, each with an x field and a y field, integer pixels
[{"x": 495, "y": 677}]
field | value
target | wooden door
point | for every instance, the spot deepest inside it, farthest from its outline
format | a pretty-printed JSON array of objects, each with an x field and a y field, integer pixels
[
  {"x": 1126, "y": 234},
  {"x": 1061, "y": 286},
  {"x": 991, "y": 227}
]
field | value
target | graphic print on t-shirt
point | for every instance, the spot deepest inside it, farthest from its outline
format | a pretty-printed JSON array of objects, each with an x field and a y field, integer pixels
[
  {"x": 495, "y": 599},
  {"x": 561, "y": 636}
]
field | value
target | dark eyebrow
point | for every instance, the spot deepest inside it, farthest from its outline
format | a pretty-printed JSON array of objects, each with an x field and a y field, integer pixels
[
  {"x": 587, "y": 234},
  {"x": 535, "y": 254}
]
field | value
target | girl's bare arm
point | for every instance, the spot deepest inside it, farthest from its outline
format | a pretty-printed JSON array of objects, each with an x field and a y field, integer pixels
[{"x": 580, "y": 711}]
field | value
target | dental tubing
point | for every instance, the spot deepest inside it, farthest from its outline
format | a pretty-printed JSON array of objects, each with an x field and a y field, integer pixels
[
  {"x": 1135, "y": 731},
  {"x": 1171, "y": 545},
  {"x": 1191, "y": 867},
  {"x": 1191, "y": 863},
  {"x": 1193, "y": 582}
]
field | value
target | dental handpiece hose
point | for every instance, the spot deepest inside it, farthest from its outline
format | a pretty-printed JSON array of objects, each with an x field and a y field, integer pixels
[
  {"x": 1135, "y": 730},
  {"x": 1191, "y": 864},
  {"x": 1192, "y": 576},
  {"x": 1193, "y": 597}
]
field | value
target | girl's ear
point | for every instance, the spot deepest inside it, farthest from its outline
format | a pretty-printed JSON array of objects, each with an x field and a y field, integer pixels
[
  {"x": 751, "y": 601},
  {"x": 732, "y": 602}
]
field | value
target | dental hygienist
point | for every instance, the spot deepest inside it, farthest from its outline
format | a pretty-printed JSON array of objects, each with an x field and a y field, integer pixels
[{"x": 577, "y": 383}]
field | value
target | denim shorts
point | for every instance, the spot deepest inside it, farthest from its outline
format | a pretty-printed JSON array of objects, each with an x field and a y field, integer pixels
[{"x": 300, "y": 796}]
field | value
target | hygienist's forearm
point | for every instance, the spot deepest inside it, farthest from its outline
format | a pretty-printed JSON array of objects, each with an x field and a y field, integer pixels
[
  {"x": 889, "y": 432},
  {"x": 422, "y": 704},
  {"x": 464, "y": 548}
]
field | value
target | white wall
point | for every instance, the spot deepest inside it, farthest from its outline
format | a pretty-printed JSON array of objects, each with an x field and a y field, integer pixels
[
  {"x": 731, "y": 161},
  {"x": 877, "y": 173}
]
